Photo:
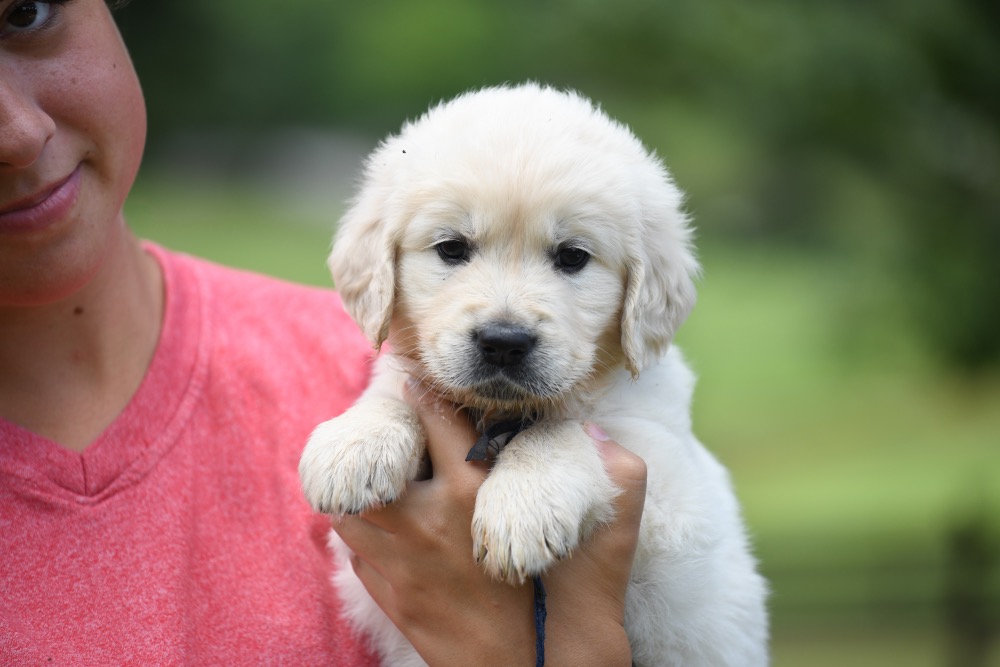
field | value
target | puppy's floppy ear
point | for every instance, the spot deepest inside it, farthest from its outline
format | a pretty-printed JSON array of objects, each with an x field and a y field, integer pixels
[
  {"x": 659, "y": 291},
  {"x": 363, "y": 265}
]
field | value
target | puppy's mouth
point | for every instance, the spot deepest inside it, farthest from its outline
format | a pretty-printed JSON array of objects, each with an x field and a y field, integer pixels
[
  {"x": 509, "y": 386},
  {"x": 510, "y": 389}
]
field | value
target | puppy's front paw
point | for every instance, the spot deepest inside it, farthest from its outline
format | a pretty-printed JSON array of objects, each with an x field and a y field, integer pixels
[
  {"x": 363, "y": 458},
  {"x": 514, "y": 538},
  {"x": 547, "y": 491}
]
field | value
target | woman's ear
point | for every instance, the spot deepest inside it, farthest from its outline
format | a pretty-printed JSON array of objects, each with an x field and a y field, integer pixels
[{"x": 659, "y": 290}]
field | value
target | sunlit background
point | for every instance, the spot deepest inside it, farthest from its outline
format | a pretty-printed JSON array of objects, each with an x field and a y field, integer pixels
[{"x": 842, "y": 161}]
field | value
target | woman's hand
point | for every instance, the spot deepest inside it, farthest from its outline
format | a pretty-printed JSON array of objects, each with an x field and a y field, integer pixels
[
  {"x": 586, "y": 592},
  {"x": 415, "y": 559}
]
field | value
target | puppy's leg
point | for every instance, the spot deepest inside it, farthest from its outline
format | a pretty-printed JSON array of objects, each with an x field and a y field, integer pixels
[
  {"x": 546, "y": 492},
  {"x": 364, "y": 457}
]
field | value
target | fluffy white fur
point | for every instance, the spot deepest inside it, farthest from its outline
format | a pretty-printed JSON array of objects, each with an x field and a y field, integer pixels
[{"x": 526, "y": 180}]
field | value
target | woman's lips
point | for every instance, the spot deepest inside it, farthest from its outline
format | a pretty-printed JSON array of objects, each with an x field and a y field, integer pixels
[{"x": 45, "y": 208}]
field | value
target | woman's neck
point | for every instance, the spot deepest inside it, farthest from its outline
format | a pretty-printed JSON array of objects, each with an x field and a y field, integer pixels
[{"x": 68, "y": 368}]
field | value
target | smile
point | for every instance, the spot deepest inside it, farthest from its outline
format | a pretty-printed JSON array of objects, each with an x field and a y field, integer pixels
[{"x": 42, "y": 209}]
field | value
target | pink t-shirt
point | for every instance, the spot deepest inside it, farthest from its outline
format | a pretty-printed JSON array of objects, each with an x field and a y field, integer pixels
[{"x": 181, "y": 535}]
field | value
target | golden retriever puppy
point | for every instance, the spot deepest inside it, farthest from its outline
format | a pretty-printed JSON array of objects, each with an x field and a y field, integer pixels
[{"x": 530, "y": 260}]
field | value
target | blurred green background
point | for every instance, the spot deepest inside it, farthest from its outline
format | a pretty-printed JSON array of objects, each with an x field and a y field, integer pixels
[{"x": 842, "y": 161}]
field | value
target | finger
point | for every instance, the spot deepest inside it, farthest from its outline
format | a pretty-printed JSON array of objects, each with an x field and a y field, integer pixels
[
  {"x": 363, "y": 535},
  {"x": 374, "y": 581},
  {"x": 627, "y": 471},
  {"x": 613, "y": 546},
  {"x": 449, "y": 435}
]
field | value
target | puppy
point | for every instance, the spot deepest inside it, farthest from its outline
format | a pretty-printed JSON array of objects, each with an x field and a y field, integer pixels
[{"x": 530, "y": 260}]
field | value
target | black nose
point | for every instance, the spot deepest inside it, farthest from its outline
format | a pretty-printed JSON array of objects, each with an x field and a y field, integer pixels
[{"x": 504, "y": 344}]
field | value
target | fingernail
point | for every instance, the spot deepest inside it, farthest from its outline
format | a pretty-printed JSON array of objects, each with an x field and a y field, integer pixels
[{"x": 596, "y": 432}]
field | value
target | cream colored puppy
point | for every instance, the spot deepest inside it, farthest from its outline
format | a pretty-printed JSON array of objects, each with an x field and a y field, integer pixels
[{"x": 529, "y": 259}]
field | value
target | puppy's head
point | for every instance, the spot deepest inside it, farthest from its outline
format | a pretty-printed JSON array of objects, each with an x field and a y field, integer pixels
[{"x": 518, "y": 243}]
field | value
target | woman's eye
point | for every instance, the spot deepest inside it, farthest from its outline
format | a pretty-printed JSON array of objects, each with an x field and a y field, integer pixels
[
  {"x": 26, "y": 16},
  {"x": 453, "y": 251},
  {"x": 570, "y": 259}
]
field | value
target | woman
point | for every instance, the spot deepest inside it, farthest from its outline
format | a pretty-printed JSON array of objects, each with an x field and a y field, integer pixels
[{"x": 153, "y": 407}]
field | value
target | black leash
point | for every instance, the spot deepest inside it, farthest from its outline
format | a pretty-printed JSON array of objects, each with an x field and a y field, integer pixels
[
  {"x": 495, "y": 437},
  {"x": 540, "y": 614}
]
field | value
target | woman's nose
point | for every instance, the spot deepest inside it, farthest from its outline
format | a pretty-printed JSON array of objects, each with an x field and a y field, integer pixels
[{"x": 25, "y": 127}]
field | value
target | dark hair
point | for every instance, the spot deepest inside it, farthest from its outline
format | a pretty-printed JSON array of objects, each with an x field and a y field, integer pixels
[{"x": 116, "y": 4}]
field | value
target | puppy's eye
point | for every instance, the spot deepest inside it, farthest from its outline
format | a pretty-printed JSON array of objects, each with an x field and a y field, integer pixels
[
  {"x": 570, "y": 259},
  {"x": 453, "y": 251}
]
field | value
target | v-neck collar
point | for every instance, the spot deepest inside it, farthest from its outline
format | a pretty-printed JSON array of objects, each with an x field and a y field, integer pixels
[{"x": 148, "y": 426}]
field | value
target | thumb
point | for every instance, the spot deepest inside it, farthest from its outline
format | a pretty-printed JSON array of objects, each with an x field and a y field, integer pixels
[
  {"x": 627, "y": 472},
  {"x": 449, "y": 434}
]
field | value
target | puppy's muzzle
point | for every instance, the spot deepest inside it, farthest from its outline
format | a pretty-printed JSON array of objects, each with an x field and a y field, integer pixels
[{"x": 504, "y": 345}]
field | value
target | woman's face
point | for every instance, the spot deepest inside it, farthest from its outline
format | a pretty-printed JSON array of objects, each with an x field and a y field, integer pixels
[{"x": 72, "y": 130}]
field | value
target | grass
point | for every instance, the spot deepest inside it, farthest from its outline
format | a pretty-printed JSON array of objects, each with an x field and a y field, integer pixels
[
  {"x": 852, "y": 453},
  {"x": 235, "y": 226},
  {"x": 865, "y": 647},
  {"x": 789, "y": 410},
  {"x": 821, "y": 440}
]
